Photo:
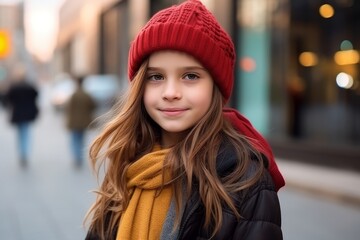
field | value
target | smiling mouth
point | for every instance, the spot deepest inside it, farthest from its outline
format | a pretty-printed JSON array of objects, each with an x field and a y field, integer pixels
[{"x": 173, "y": 111}]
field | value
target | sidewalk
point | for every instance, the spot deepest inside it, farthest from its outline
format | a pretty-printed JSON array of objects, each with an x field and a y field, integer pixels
[{"x": 341, "y": 185}]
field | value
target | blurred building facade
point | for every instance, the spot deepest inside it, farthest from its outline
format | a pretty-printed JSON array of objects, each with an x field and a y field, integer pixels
[
  {"x": 12, "y": 44},
  {"x": 292, "y": 80}
]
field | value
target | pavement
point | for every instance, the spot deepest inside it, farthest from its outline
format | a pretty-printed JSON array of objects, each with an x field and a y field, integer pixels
[
  {"x": 338, "y": 184},
  {"x": 49, "y": 199}
]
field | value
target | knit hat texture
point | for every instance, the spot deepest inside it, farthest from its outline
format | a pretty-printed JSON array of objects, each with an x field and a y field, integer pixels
[{"x": 190, "y": 28}]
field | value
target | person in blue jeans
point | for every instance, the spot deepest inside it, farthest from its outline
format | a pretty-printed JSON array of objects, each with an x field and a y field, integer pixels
[
  {"x": 20, "y": 101},
  {"x": 79, "y": 114},
  {"x": 77, "y": 146},
  {"x": 23, "y": 129}
]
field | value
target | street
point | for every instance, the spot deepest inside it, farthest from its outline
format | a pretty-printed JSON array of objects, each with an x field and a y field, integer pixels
[{"x": 49, "y": 199}]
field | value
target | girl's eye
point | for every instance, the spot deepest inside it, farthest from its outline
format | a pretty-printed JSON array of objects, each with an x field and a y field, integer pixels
[
  {"x": 191, "y": 76},
  {"x": 155, "y": 77}
]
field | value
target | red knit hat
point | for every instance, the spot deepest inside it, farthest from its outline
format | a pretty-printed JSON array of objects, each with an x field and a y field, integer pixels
[{"x": 191, "y": 28}]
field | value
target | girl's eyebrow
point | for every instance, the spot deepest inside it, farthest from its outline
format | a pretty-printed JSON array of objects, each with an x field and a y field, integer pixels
[
  {"x": 194, "y": 68},
  {"x": 153, "y": 69},
  {"x": 187, "y": 68}
]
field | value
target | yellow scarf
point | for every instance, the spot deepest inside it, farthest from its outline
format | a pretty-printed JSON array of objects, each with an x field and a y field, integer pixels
[{"x": 144, "y": 217}]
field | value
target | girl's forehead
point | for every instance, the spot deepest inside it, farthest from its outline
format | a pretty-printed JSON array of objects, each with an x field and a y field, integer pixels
[{"x": 172, "y": 57}]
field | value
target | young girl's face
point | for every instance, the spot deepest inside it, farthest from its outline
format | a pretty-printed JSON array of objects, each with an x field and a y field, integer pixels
[{"x": 178, "y": 93}]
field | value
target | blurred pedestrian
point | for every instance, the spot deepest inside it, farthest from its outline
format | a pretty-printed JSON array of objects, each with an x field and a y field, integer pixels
[
  {"x": 2, "y": 99},
  {"x": 20, "y": 100},
  {"x": 180, "y": 165},
  {"x": 79, "y": 114}
]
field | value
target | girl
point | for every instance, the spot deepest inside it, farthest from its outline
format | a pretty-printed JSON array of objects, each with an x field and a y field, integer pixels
[{"x": 179, "y": 165}]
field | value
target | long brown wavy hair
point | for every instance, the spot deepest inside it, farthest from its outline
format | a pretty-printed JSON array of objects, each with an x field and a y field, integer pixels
[{"x": 131, "y": 133}]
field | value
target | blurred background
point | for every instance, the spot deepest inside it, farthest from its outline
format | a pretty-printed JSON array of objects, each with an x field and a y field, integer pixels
[{"x": 297, "y": 80}]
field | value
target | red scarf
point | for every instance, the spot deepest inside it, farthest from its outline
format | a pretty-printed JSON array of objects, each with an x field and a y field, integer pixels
[{"x": 244, "y": 126}]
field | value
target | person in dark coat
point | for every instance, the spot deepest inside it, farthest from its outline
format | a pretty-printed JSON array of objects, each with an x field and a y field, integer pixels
[
  {"x": 79, "y": 114},
  {"x": 20, "y": 100}
]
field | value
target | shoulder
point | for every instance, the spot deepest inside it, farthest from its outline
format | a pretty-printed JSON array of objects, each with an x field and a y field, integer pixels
[
  {"x": 263, "y": 188},
  {"x": 227, "y": 160},
  {"x": 258, "y": 205}
]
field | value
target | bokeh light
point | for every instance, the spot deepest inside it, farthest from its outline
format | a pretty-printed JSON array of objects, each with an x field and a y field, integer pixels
[
  {"x": 308, "y": 59},
  {"x": 346, "y": 45},
  {"x": 247, "y": 64},
  {"x": 346, "y": 57},
  {"x": 344, "y": 80},
  {"x": 326, "y": 11}
]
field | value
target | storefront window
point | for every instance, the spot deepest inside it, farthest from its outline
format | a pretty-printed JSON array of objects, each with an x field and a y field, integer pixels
[
  {"x": 323, "y": 88},
  {"x": 298, "y": 69}
]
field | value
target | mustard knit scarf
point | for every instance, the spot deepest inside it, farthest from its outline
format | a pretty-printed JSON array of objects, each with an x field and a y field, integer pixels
[{"x": 144, "y": 217}]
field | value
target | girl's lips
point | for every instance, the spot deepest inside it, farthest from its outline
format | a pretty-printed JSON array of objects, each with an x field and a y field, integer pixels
[{"x": 173, "y": 111}]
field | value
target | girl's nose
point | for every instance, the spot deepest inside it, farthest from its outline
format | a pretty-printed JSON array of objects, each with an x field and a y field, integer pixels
[{"x": 171, "y": 90}]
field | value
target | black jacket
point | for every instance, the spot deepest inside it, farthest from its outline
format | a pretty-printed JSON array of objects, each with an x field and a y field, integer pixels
[
  {"x": 259, "y": 208},
  {"x": 21, "y": 100}
]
